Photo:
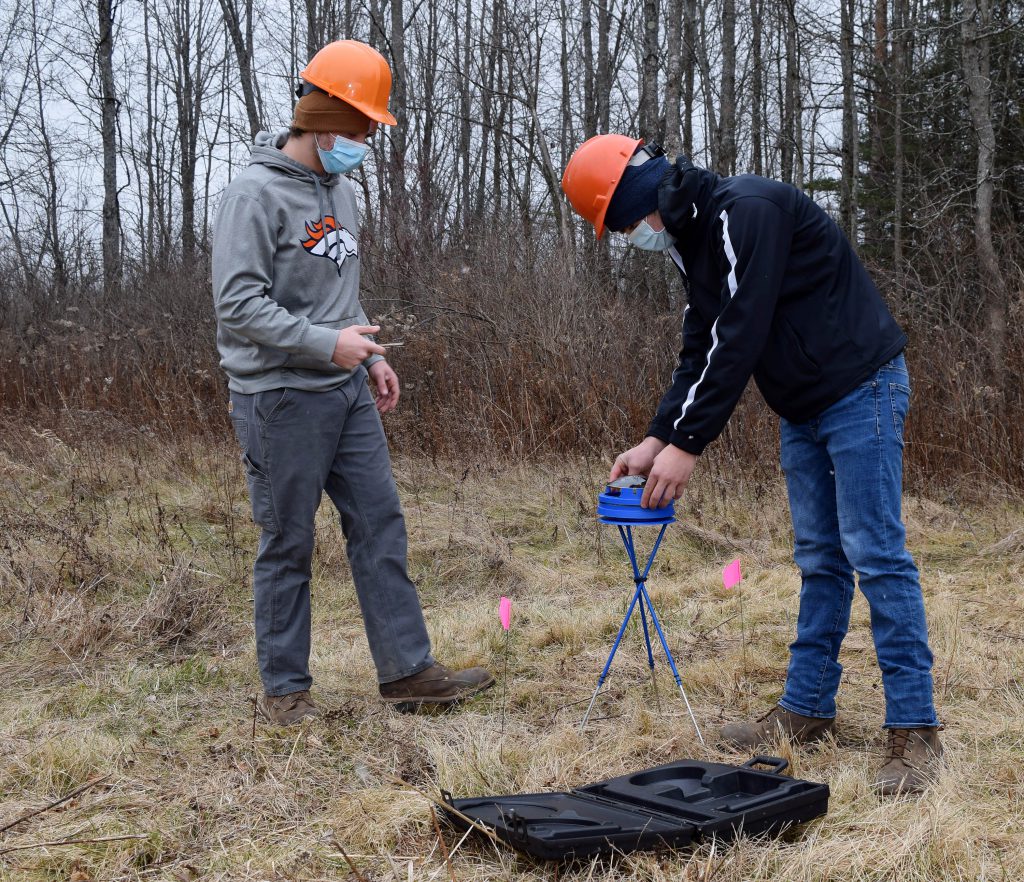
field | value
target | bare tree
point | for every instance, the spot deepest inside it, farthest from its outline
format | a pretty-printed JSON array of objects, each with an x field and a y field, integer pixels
[
  {"x": 238, "y": 22},
  {"x": 189, "y": 44},
  {"x": 689, "y": 71},
  {"x": 727, "y": 97},
  {"x": 757, "y": 86},
  {"x": 975, "y": 27},
  {"x": 105, "y": 12},
  {"x": 847, "y": 178},
  {"x": 673, "y": 77},
  {"x": 649, "y": 70}
]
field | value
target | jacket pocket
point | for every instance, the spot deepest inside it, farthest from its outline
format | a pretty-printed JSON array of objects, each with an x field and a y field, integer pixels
[
  {"x": 786, "y": 358},
  {"x": 263, "y": 512}
]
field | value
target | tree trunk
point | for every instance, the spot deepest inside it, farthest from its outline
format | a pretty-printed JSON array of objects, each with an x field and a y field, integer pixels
[
  {"x": 790, "y": 114},
  {"x": 848, "y": 179},
  {"x": 590, "y": 114},
  {"x": 689, "y": 72},
  {"x": 241, "y": 41},
  {"x": 727, "y": 99},
  {"x": 975, "y": 27},
  {"x": 649, "y": 72},
  {"x": 898, "y": 85},
  {"x": 673, "y": 78},
  {"x": 757, "y": 87},
  {"x": 603, "y": 78},
  {"x": 108, "y": 135},
  {"x": 465, "y": 129},
  {"x": 398, "y": 133}
]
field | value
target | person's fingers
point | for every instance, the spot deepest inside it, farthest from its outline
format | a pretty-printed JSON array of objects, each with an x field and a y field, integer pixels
[
  {"x": 364, "y": 329},
  {"x": 396, "y": 388},
  {"x": 375, "y": 348},
  {"x": 649, "y": 487},
  {"x": 618, "y": 469},
  {"x": 668, "y": 495},
  {"x": 658, "y": 493}
]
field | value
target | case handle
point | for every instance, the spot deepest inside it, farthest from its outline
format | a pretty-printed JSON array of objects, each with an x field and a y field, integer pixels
[{"x": 778, "y": 765}]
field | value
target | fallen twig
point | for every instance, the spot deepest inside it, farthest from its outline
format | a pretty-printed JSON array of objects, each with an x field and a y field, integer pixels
[
  {"x": 444, "y": 845},
  {"x": 348, "y": 860},
  {"x": 61, "y": 801},
  {"x": 57, "y": 842}
]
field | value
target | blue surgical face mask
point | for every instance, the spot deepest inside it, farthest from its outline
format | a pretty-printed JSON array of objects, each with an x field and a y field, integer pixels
[
  {"x": 345, "y": 156},
  {"x": 646, "y": 237}
]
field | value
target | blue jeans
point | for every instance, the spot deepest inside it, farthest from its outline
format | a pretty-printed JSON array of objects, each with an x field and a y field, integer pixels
[{"x": 844, "y": 474}]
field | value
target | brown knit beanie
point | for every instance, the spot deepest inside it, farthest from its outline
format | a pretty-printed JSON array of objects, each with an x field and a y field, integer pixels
[{"x": 320, "y": 112}]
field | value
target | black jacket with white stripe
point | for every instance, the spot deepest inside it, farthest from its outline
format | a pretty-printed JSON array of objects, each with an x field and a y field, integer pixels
[{"x": 775, "y": 290}]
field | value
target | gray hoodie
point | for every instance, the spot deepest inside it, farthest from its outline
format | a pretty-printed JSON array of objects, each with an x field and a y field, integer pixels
[{"x": 285, "y": 273}]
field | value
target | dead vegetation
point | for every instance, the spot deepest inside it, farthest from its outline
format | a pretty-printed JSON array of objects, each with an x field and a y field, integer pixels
[{"x": 127, "y": 666}]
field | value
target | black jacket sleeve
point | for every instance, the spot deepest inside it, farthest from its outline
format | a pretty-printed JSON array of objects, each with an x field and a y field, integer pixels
[
  {"x": 692, "y": 357},
  {"x": 756, "y": 235}
]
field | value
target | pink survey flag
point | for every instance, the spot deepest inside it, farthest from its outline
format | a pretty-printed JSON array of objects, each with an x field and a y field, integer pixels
[
  {"x": 505, "y": 612},
  {"x": 731, "y": 574}
]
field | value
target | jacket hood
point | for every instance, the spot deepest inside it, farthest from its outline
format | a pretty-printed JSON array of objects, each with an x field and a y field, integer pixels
[
  {"x": 267, "y": 151},
  {"x": 684, "y": 197}
]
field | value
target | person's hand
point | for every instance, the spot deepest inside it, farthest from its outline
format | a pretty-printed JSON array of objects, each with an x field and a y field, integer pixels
[
  {"x": 386, "y": 380},
  {"x": 637, "y": 460},
  {"x": 352, "y": 348},
  {"x": 668, "y": 477}
]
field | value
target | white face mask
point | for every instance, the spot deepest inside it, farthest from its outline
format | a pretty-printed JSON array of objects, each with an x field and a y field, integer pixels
[{"x": 649, "y": 239}]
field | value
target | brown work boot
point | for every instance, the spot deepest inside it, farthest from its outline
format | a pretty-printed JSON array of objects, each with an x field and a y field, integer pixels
[
  {"x": 912, "y": 761},
  {"x": 778, "y": 723},
  {"x": 287, "y": 710},
  {"x": 437, "y": 685}
]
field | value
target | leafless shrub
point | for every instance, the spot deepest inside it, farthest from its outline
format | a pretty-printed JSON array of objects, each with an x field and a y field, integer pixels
[{"x": 509, "y": 350}]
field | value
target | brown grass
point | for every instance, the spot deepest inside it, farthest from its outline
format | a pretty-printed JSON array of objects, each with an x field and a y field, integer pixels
[{"x": 126, "y": 651}]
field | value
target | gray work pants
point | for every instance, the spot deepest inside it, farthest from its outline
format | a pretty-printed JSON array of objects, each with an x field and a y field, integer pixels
[{"x": 297, "y": 444}]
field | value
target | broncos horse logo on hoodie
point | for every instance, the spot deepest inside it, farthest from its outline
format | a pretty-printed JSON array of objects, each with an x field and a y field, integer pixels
[{"x": 327, "y": 239}]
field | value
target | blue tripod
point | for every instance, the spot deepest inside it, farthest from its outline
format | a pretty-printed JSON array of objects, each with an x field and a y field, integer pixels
[{"x": 613, "y": 511}]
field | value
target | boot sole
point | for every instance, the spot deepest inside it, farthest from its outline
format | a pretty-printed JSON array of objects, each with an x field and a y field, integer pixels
[{"x": 409, "y": 704}]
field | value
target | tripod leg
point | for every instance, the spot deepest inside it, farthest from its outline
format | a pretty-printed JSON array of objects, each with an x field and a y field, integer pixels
[
  {"x": 650, "y": 652},
  {"x": 671, "y": 661},
  {"x": 611, "y": 655}
]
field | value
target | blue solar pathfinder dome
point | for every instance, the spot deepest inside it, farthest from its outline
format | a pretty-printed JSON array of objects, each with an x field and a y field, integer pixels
[{"x": 620, "y": 504}]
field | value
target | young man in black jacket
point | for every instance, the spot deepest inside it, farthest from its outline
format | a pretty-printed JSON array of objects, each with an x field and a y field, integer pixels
[{"x": 777, "y": 292}]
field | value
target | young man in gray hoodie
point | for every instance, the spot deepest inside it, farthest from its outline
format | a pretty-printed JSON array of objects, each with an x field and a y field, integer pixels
[{"x": 296, "y": 347}]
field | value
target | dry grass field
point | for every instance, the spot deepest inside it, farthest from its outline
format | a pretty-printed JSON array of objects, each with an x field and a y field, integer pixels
[{"x": 127, "y": 673}]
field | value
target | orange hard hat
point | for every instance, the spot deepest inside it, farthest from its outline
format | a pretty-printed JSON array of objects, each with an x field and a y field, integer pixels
[
  {"x": 356, "y": 73},
  {"x": 593, "y": 173}
]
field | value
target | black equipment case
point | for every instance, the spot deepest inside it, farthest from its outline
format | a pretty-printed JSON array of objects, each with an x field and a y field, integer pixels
[{"x": 669, "y": 806}]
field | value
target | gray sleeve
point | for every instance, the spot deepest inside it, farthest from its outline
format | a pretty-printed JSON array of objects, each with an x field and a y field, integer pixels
[{"x": 244, "y": 242}]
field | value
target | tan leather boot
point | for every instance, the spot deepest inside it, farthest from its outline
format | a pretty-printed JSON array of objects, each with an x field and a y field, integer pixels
[
  {"x": 437, "y": 685},
  {"x": 913, "y": 758},
  {"x": 778, "y": 723},
  {"x": 287, "y": 710}
]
